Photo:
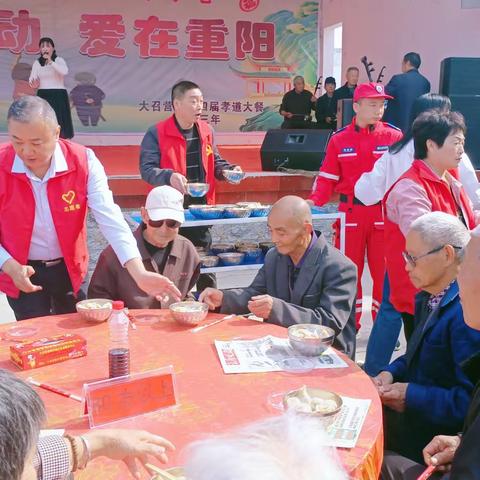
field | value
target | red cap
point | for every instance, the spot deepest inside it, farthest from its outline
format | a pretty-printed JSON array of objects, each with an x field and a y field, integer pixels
[
  {"x": 370, "y": 90},
  {"x": 118, "y": 305}
]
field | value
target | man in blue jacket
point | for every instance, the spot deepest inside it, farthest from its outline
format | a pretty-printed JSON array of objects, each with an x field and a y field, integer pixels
[
  {"x": 405, "y": 88},
  {"x": 425, "y": 392}
]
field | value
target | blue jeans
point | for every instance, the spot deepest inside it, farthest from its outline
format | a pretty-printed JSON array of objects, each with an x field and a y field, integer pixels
[{"x": 384, "y": 335}]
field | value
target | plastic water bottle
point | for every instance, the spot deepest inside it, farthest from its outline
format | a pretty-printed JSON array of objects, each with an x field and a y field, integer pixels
[{"x": 119, "y": 352}]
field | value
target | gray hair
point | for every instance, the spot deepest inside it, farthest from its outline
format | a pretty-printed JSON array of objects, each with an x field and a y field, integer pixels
[
  {"x": 29, "y": 108},
  {"x": 289, "y": 447},
  {"x": 22, "y": 414},
  {"x": 298, "y": 77},
  {"x": 440, "y": 228}
]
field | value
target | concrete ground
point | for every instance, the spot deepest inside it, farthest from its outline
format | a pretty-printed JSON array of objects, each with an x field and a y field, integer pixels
[{"x": 243, "y": 278}]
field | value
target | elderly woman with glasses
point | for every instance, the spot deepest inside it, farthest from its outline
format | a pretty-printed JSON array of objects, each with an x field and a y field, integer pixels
[
  {"x": 430, "y": 184},
  {"x": 425, "y": 392}
]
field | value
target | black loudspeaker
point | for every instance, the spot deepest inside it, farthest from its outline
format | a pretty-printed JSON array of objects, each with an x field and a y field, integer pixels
[
  {"x": 295, "y": 149},
  {"x": 460, "y": 76},
  {"x": 469, "y": 107},
  {"x": 345, "y": 112}
]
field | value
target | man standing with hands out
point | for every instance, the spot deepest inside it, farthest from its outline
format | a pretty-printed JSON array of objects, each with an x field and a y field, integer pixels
[
  {"x": 46, "y": 186},
  {"x": 352, "y": 151},
  {"x": 181, "y": 149}
]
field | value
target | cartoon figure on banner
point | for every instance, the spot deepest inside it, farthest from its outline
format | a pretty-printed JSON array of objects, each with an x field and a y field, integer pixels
[
  {"x": 87, "y": 99},
  {"x": 248, "y": 5},
  {"x": 20, "y": 75}
]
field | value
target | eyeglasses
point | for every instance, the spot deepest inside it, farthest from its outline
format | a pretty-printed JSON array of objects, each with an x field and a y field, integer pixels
[
  {"x": 159, "y": 223},
  {"x": 413, "y": 260}
]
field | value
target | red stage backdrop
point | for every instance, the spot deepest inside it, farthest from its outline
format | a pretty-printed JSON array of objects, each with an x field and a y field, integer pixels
[{"x": 124, "y": 56}]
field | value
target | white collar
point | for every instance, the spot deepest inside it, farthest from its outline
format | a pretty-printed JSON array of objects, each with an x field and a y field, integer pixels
[{"x": 58, "y": 162}]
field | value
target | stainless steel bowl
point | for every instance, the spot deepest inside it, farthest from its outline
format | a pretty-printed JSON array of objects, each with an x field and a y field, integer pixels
[
  {"x": 233, "y": 176},
  {"x": 328, "y": 415},
  {"x": 231, "y": 259},
  {"x": 260, "y": 211},
  {"x": 309, "y": 339},
  {"x": 210, "y": 213},
  {"x": 236, "y": 212},
  {"x": 248, "y": 204},
  {"x": 209, "y": 261},
  {"x": 196, "y": 210},
  {"x": 243, "y": 245},
  {"x": 266, "y": 246},
  {"x": 95, "y": 309},
  {"x": 217, "y": 248},
  {"x": 197, "y": 189},
  {"x": 189, "y": 313},
  {"x": 252, "y": 254}
]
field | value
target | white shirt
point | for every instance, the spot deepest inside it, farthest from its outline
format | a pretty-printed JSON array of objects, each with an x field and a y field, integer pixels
[
  {"x": 50, "y": 76},
  {"x": 44, "y": 244},
  {"x": 372, "y": 186}
]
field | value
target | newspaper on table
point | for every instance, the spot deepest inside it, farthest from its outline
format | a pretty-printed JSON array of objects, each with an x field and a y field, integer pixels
[
  {"x": 344, "y": 432},
  {"x": 269, "y": 354}
]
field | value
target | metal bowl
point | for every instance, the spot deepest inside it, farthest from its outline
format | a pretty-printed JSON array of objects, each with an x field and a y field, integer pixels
[
  {"x": 95, "y": 309},
  {"x": 328, "y": 403},
  {"x": 189, "y": 313},
  {"x": 217, "y": 248},
  {"x": 196, "y": 210},
  {"x": 231, "y": 259},
  {"x": 209, "y": 213},
  {"x": 309, "y": 339},
  {"x": 209, "y": 261},
  {"x": 197, "y": 189},
  {"x": 252, "y": 254},
  {"x": 266, "y": 246},
  {"x": 243, "y": 245},
  {"x": 236, "y": 212},
  {"x": 260, "y": 211},
  {"x": 202, "y": 251},
  {"x": 233, "y": 176},
  {"x": 248, "y": 204}
]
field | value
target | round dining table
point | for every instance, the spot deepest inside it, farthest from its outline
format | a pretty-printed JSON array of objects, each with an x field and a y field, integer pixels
[{"x": 209, "y": 401}]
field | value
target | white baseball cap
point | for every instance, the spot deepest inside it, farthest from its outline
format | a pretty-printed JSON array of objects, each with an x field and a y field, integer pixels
[{"x": 165, "y": 203}]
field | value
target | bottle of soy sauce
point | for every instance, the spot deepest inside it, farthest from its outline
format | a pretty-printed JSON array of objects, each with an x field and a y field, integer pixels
[{"x": 119, "y": 351}]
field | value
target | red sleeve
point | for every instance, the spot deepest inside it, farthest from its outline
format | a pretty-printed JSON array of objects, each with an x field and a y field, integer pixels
[{"x": 328, "y": 176}]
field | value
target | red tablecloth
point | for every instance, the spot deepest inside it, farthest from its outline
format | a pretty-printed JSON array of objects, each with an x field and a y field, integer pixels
[{"x": 210, "y": 401}]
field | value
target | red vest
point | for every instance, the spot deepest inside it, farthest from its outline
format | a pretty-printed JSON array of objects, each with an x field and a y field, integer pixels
[
  {"x": 173, "y": 151},
  {"x": 402, "y": 291},
  {"x": 67, "y": 198}
]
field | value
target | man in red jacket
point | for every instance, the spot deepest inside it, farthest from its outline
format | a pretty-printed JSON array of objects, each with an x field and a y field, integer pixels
[
  {"x": 181, "y": 149},
  {"x": 352, "y": 151},
  {"x": 46, "y": 186}
]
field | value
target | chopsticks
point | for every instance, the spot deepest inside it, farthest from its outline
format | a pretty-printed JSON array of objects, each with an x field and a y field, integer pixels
[
  {"x": 160, "y": 472},
  {"x": 427, "y": 473},
  {"x": 201, "y": 327},
  {"x": 53, "y": 389}
]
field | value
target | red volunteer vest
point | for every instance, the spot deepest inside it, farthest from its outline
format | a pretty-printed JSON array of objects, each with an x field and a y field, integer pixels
[
  {"x": 173, "y": 151},
  {"x": 402, "y": 291},
  {"x": 67, "y": 198}
]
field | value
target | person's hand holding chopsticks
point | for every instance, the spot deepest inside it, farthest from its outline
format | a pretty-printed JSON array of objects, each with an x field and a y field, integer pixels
[{"x": 440, "y": 451}]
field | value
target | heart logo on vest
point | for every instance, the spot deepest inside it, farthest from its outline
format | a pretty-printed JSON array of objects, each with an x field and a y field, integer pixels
[
  {"x": 209, "y": 149},
  {"x": 68, "y": 197}
]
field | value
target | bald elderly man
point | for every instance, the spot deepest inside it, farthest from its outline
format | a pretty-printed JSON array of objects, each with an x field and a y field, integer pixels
[{"x": 303, "y": 280}]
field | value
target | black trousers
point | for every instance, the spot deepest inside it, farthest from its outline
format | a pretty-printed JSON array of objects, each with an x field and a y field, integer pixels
[
  {"x": 56, "y": 296},
  {"x": 201, "y": 237}
]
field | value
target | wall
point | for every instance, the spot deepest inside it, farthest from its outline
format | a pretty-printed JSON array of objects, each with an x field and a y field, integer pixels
[{"x": 385, "y": 30}]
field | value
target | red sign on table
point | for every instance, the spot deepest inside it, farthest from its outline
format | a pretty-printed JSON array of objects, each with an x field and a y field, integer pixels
[{"x": 116, "y": 399}]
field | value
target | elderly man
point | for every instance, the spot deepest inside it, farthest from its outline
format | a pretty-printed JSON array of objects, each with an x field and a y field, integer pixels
[
  {"x": 163, "y": 251},
  {"x": 181, "y": 149},
  {"x": 297, "y": 105},
  {"x": 25, "y": 457},
  {"x": 46, "y": 186},
  {"x": 303, "y": 280},
  {"x": 425, "y": 392},
  {"x": 273, "y": 449}
]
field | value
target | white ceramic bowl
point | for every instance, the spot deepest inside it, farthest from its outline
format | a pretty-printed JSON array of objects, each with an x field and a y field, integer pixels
[
  {"x": 189, "y": 313},
  {"x": 95, "y": 309}
]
